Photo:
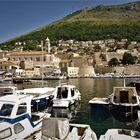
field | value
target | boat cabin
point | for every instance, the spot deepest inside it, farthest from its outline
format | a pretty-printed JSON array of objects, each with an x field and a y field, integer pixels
[
  {"x": 12, "y": 106},
  {"x": 125, "y": 95},
  {"x": 65, "y": 95},
  {"x": 17, "y": 119},
  {"x": 7, "y": 90},
  {"x": 42, "y": 97},
  {"x": 65, "y": 92}
]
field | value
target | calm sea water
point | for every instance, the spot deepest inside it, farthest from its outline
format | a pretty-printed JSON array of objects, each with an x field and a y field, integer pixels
[{"x": 100, "y": 119}]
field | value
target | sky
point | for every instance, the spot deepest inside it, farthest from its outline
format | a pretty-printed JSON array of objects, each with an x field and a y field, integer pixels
[{"x": 18, "y": 17}]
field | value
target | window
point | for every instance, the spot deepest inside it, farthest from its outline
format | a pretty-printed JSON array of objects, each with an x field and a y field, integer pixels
[
  {"x": 72, "y": 92},
  {"x": 6, "y": 110},
  {"x": 5, "y": 133},
  {"x": 62, "y": 93},
  {"x": 22, "y": 108},
  {"x": 18, "y": 128},
  {"x": 65, "y": 93}
]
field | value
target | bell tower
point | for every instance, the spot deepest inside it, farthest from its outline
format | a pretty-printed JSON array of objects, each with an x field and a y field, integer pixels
[{"x": 47, "y": 45}]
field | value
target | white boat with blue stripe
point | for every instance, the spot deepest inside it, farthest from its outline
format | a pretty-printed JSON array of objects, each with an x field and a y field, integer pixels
[{"x": 17, "y": 119}]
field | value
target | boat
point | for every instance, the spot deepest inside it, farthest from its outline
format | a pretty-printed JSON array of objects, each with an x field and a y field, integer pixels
[
  {"x": 120, "y": 134},
  {"x": 99, "y": 102},
  {"x": 17, "y": 119},
  {"x": 6, "y": 89},
  {"x": 42, "y": 97},
  {"x": 65, "y": 95},
  {"x": 61, "y": 129},
  {"x": 136, "y": 84},
  {"x": 7, "y": 79},
  {"x": 125, "y": 100}
]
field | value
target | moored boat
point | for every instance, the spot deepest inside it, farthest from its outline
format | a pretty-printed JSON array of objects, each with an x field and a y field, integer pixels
[
  {"x": 17, "y": 119},
  {"x": 120, "y": 134},
  {"x": 65, "y": 95},
  {"x": 99, "y": 102},
  {"x": 125, "y": 100},
  {"x": 60, "y": 128},
  {"x": 6, "y": 89},
  {"x": 42, "y": 97}
]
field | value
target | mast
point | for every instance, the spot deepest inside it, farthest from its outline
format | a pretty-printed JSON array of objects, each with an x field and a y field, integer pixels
[
  {"x": 42, "y": 62},
  {"x": 124, "y": 82}
]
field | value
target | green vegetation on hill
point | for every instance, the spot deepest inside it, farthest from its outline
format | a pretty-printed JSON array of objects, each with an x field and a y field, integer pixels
[{"x": 101, "y": 22}]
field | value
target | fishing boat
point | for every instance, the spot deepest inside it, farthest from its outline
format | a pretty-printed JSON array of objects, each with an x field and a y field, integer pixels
[
  {"x": 120, "y": 134},
  {"x": 61, "y": 129},
  {"x": 65, "y": 95},
  {"x": 42, "y": 97},
  {"x": 17, "y": 119},
  {"x": 125, "y": 100}
]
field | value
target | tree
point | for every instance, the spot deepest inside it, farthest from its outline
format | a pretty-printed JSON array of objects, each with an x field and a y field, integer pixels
[
  {"x": 97, "y": 48},
  {"x": 113, "y": 62},
  {"x": 128, "y": 59}
]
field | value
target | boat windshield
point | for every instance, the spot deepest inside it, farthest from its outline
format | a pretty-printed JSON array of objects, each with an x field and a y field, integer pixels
[
  {"x": 6, "y": 109},
  {"x": 62, "y": 92}
]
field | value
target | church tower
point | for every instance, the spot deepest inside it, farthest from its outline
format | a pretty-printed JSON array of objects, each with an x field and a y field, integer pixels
[{"x": 47, "y": 45}]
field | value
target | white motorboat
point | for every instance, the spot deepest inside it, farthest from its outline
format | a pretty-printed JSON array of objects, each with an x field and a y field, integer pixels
[
  {"x": 43, "y": 97},
  {"x": 17, "y": 119},
  {"x": 60, "y": 128},
  {"x": 65, "y": 95},
  {"x": 6, "y": 89},
  {"x": 96, "y": 101},
  {"x": 125, "y": 100},
  {"x": 120, "y": 134}
]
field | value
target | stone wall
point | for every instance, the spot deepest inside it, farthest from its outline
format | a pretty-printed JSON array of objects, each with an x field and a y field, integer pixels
[
  {"x": 130, "y": 69},
  {"x": 86, "y": 71}
]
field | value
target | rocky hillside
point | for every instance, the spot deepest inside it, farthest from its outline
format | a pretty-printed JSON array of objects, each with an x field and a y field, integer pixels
[{"x": 101, "y": 22}]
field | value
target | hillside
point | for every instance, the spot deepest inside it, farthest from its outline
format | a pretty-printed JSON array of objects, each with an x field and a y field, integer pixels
[{"x": 101, "y": 22}]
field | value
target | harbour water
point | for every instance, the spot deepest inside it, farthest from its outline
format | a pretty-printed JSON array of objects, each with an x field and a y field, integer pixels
[{"x": 100, "y": 119}]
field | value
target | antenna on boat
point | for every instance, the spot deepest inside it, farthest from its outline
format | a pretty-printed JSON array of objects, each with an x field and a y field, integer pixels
[{"x": 124, "y": 82}]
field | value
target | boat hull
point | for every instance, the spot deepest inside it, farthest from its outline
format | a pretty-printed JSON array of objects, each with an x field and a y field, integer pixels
[
  {"x": 124, "y": 110},
  {"x": 61, "y": 103},
  {"x": 28, "y": 127},
  {"x": 137, "y": 85}
]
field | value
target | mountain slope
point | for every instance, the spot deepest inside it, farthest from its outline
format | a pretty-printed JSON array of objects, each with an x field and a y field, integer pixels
[{"x": 101, "y": 22}]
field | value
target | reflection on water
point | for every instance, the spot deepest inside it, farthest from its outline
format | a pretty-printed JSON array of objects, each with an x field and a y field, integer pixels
[
  {"x": 99, "y": 115},
  {"x": 69, "y": 113},
  {"x": 99, "y": 119}
]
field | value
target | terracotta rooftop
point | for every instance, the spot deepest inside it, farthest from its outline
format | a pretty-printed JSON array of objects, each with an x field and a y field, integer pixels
[
  {"x": 65, "y": 61},
  {"x": 7, "y": 63}
]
